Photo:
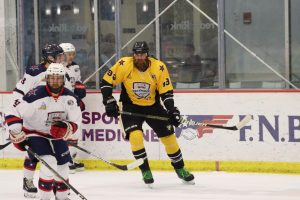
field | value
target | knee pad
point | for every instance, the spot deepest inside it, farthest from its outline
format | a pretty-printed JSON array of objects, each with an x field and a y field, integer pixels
[
  {"x": 63, "y": 170},
  {"x": 45, "y": 173},
  {"x": 136, "y": 140},
  {"x": 170, "y": 143}
]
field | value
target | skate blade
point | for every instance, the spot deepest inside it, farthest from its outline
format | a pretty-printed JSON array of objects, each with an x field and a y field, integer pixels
[
  {"x": 30, "y": 195},
  {"x": 188, "y": 182},
  {"x": 73, "y": 171},
  {"x": 150, "y": 185},
  {"x": 80, "y": 169}
]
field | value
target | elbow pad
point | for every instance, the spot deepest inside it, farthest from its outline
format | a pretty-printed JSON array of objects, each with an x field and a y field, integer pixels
[
  {"x": 106, "y": 89},
  {"x": 168, "y": 100}
]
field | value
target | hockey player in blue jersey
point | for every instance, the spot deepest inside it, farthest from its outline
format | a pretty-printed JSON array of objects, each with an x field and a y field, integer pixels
[
  {"x": 44, "y": 119},
  {"x": 74, "y": 84},
  {"x": 34, "y": 76}
]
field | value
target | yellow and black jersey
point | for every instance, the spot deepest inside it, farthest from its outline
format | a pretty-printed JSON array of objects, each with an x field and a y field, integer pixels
[{"x": 139, "y": 88}]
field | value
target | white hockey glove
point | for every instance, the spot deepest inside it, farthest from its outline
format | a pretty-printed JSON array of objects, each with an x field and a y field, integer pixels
[{"x": 18, "y": 139}]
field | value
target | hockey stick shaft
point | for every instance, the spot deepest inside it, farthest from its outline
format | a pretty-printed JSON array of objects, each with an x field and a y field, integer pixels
[
  {"x": 130, "y": 166},
  {"x": 242, "y": 123},
  {"x": 54, "y": 172},
  {"x": 4, "y": 145},
  {"x": 143, "y": 115}
]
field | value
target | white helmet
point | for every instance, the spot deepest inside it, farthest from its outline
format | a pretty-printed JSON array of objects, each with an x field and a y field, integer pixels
[
  {"x": 67, "y": 47},
  {"x": 56, "y": 69}
]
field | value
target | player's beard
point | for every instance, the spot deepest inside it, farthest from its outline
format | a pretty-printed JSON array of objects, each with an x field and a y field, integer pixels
[
  {"x": 141, "y": 65},
  {"x": 55, "y": 89}
]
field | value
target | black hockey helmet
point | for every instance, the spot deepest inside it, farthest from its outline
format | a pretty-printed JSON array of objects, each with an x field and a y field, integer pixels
[
  {"x": 51, "y": 50},
  {"x": 140, "y": 47}
]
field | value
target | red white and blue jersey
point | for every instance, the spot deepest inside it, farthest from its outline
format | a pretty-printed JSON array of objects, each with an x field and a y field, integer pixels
[
  {"x": 33, "y": 77},
  {"x": 72, "y": 75},
  {"x": 37, "y": 110}
]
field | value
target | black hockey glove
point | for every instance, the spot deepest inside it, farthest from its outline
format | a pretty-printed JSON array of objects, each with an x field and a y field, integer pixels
[
  {"x": 80, "y": 89},
  {"x": 174, "y": 117},
  {"x": 111, "y": 107}
]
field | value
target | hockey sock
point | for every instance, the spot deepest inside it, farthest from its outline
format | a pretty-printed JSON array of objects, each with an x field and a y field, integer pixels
[
  {"x": 29, "y": 168},
  {"x": 136, "y": 140},
  {"x": 173, "y": 151},
  {"x": 62, "y": 189},
  {"x": 138, "y": 149},
  {"x": 46, "y": 180},
  {"x": 170, "y": 144},
  {"x": 176, "y": 160},
  {"x": 142, "y": 154}
]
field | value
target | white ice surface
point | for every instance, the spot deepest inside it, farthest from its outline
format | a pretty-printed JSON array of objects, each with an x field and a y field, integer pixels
[{"x": 103, "y": 185}]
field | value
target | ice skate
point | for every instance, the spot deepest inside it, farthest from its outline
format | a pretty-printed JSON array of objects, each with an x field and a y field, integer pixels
[
  {"x": 185, "y": 175},
  {"x": 30, "y": 191},
  {"x": 148, "y": 178},
  {"x": 72, "y": 168},
  {"x": 79, "y": 167}
]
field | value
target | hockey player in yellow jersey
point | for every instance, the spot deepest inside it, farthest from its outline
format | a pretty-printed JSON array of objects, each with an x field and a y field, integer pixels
[{"x": 145, "y": 80}]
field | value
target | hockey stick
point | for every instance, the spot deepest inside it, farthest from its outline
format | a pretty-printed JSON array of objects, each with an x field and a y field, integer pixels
[
  {"x": 54, "y": 172},
  {"x": 130, "y": 166},
  {"x": 2, "y": 146},
  {"x": 238, "y": 126}
]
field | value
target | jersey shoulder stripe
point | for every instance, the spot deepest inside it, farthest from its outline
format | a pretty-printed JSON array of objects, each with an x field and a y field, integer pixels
[
  {"x": 11, "y": 119},
  {"x": 36, "y": 94},
  {"x": 35, "y": 70}
]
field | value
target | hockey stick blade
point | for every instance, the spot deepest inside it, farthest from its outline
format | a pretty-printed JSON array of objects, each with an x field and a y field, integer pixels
[
  {"x": 244, "y": 121},
  {"x": 135, "y": 164},
  {"x": 129, "y": 166},
  {"x": 4, "y": 145},
  {"x": 241, "y": 124}
]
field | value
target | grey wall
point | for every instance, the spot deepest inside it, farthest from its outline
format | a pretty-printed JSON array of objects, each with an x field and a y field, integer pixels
[{"x": 264, "y": 36}]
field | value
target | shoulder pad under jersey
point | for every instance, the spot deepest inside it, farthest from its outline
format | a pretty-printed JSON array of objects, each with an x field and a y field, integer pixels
[
  {"x": 35, "y": 70},
  {"x": 68, "y": 92},
  {"x": 36, "y": 94}
]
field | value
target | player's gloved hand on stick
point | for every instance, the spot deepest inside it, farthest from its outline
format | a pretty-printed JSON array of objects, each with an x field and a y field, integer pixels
[
  {"x": 19, "y": 140},
  {"x": 61, "y": 130},
  {"x": 174, "y": 115},
  {"x": 111, "y": 107},
  {"x": 79, "y": 89}
]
